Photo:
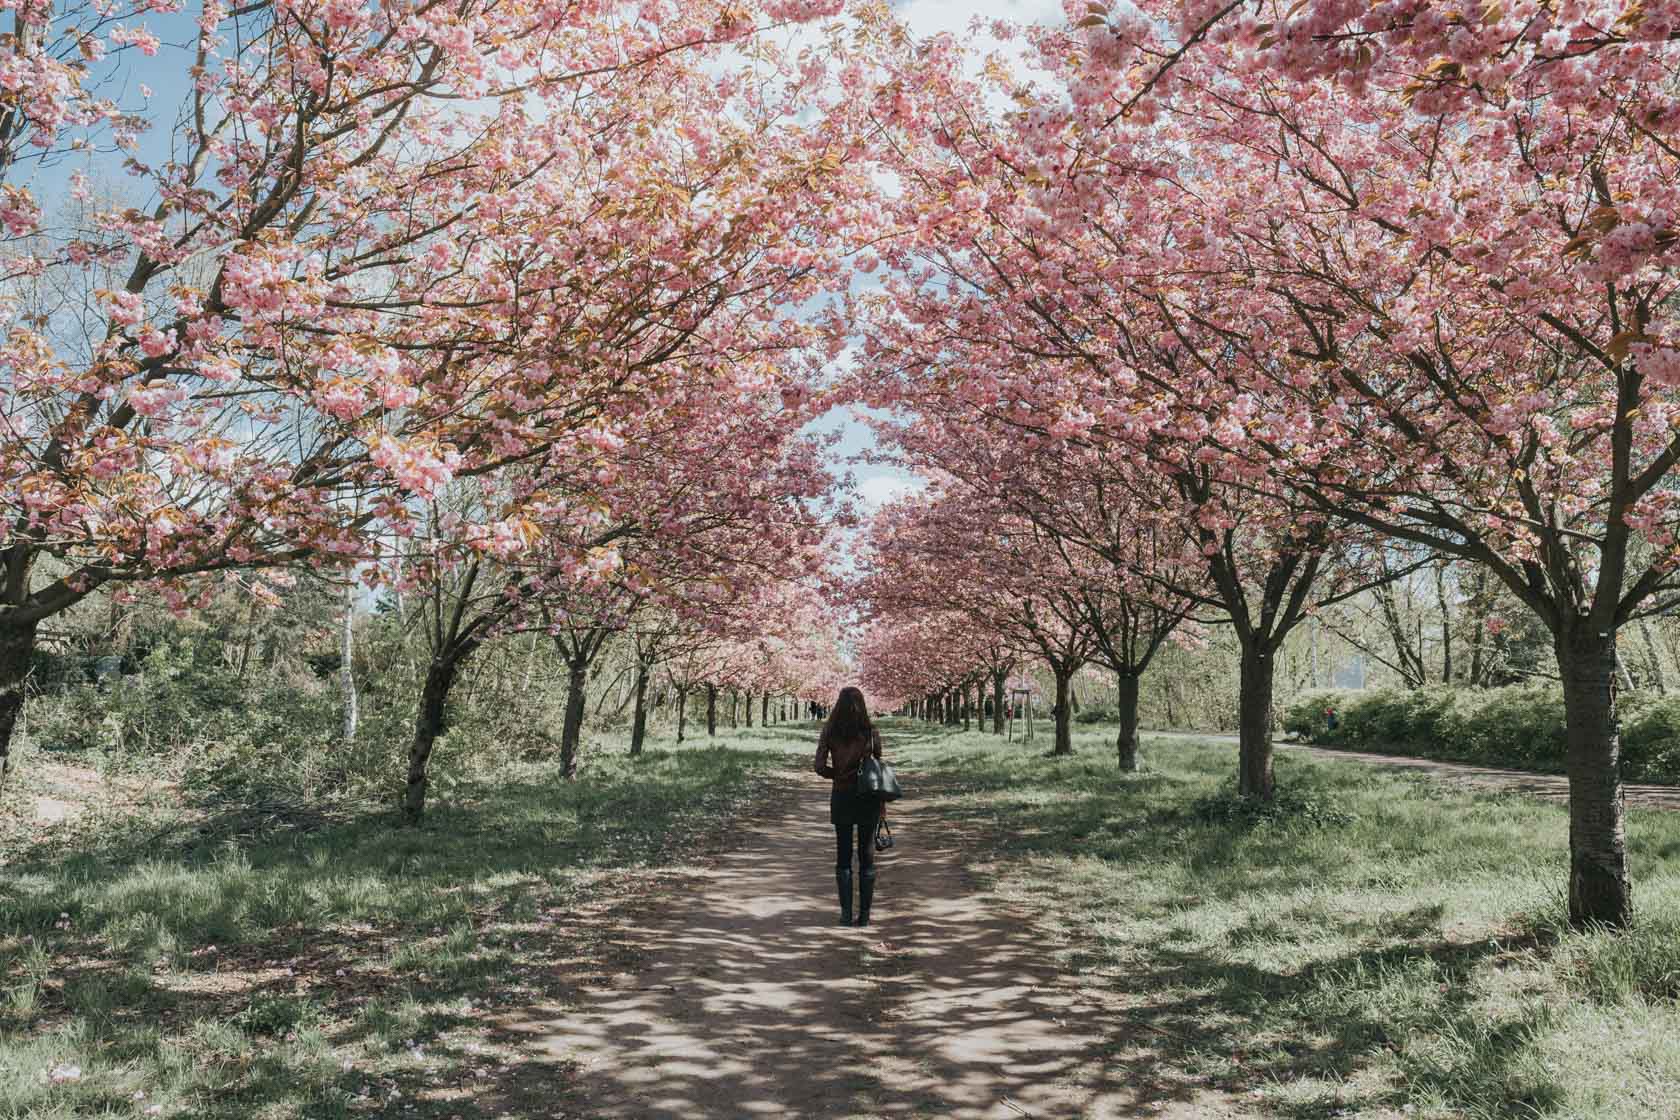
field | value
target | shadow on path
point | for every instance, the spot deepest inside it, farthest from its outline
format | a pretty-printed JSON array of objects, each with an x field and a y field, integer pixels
[{"x": 750, "y": 1001}]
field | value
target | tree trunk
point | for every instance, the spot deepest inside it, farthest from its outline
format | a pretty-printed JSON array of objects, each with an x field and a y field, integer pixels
[
  {"x": 1254, "y": 723},
  {"x": 1446, "y": 623},
  {"x": 998, "y": 677},
  {"x": 734, "y": 709},
  {"x": 250, "y": 636},
  {"x": 1659, "y": 679},
  {"x": 711, "y": 710},
  {"x": 17, "y": 651},
  {"x": 571, "y": 730},
  {"x": 530, "y": 666},
  {"x": 1064, "y": 717},
  {"x": 1599, "y": 890},
  {"x": 428, "y": 725},
  {"x": 638, "y": 721},
  {"x": 1126, "y": 705},
  {"x": 749, "y": 710},
  {"x": 764, "y": 709},
  {"x": 346, "y": 676},
  {"x": 682, "y": 714},
  {"x": 968, "y": 712}
]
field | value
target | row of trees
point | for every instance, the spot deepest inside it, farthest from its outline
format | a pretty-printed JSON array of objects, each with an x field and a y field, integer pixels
[
  {"x": 490, "y": 307},
  {"x": 1237, "y": 309},
  {"x": 1234, "y": 310}
]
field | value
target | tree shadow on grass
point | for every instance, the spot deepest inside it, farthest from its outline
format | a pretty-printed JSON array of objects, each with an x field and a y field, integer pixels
[
  {"x": 240, "y": 967},
  {"x": 1392, "y": 1019}
]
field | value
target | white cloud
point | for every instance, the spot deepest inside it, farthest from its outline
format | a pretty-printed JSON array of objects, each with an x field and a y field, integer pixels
[
  {"x": 877, "y": 490},
  {"x": 930, "y": 17}
]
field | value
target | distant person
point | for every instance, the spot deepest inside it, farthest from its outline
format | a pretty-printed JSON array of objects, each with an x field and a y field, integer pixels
[
  {"x": 846, "y": 740},
  {"x": 1330, "y": 718}
]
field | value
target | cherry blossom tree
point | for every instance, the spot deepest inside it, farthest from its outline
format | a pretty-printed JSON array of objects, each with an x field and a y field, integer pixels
[
  {"x": 367, "y": 224},
  {"x": 946, "y": 552},
  {"x": 1439, "y": 252}
]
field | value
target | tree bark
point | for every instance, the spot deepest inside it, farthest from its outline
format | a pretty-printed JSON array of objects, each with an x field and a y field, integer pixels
[
  {"x": 17, "y": 652},
  {"x": 968, "y": 712},
  {"x": 1064, "y": 717},
  {"x": 682, "y": 714},
  {"x": 734, "y": 709},
  {"x": 428, "y": 725},
  {"x": 346, "y": 675},
  {"x": 1126, "y": 706},
  {"x": 749, "y": 710},
  {"x": 764, "y": 709},
  {"x": 1446, "y": 624},
  {"x": 1254, "y": 723},
  {"x": 571, "y": 730},
  {"x": 638, "y": 721},
  {"x": 245, "y": 646},
  {"x": 998, "y": 677},
  {"x": 1599, "y": 889},
  {"x": 711, "y": 710}
]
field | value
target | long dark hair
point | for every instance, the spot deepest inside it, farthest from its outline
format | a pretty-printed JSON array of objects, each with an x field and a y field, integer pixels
[{"x": 849, "y": 721}]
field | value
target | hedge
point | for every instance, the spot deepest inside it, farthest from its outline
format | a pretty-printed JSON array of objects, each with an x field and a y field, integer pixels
[{"x": 1521, "y": 726}]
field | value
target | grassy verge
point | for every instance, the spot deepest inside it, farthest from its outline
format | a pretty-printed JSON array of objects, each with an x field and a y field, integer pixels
[
  {"x": 169, "y": 959},
  {"x": 1385, "y": 946}
]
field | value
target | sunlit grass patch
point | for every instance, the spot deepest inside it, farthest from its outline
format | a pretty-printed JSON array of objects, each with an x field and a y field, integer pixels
[
  {"x": 154, "y": 965},
  {"x": 1392, "y": 946}
]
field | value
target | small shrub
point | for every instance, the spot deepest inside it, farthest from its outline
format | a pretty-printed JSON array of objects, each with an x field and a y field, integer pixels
[
  {"x": 1094, "y": 714},
  {"x": 1307, "y": 716},
  {"x": 1387, "y": 719},
  {"x": 275, "y": 1015},
  {"x": 1651, "y": 741},
  {"x": 1290, "y": 807},
  {"x": 1521, "y": 726}
]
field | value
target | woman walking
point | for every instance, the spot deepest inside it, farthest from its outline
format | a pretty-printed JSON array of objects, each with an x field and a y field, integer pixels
[{"x": 846, "y": 740}]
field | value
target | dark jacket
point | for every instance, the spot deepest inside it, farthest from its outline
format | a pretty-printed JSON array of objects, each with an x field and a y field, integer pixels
[{"x": 840, "y": 761}]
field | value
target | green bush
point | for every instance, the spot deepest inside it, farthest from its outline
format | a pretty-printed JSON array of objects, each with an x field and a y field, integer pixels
[
  {"x": 1651, "y": 740},
  {"x": 1290, "y": 807},
  {"x": 1095, "y": 714},
  {"x": 1520, "y": 726},
  {"x": 1306, "y": 718}
]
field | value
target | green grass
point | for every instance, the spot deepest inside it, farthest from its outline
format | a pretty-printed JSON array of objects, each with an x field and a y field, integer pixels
[
  {"x": 200, "y": 961},
  {"x": 1388, "y": 947},
  {"x": 1383, "y": 947}
]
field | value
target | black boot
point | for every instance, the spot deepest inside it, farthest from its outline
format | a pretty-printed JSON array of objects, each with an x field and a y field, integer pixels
[
  {"x": 866, "y": 895},
  {"x": 843, "y": 880}
]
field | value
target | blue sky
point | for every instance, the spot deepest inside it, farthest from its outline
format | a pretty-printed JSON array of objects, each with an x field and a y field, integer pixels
[
  {"x": 167, "y": 80},
  {"x": 878, "y": 484}
]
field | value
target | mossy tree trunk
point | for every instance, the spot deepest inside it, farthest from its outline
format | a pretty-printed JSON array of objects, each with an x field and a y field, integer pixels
[
  {"x": 1064, "y": 717},
  {"x": 1126, "y": 708},
  {"x": 638, "y": 720},
  {"x": 1600, "y": 891}
]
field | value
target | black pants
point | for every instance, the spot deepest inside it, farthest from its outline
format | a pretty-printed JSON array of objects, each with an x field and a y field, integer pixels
[{"x": 851, "y": 813}]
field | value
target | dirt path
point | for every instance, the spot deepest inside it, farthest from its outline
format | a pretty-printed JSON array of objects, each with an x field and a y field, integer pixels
[
  {"x": 1553, "y": 787},
  {"x": 750, "y": 1001}
]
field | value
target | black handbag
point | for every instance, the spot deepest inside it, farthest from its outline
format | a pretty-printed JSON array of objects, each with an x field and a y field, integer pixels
[
  {"x": 876, "y": 779},
  {"x": 883, "y": 836}
]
